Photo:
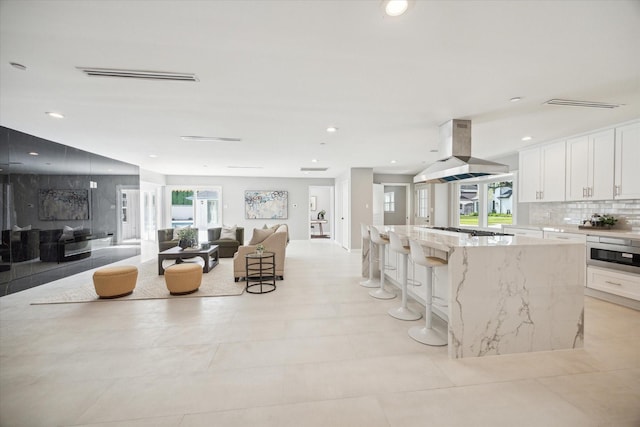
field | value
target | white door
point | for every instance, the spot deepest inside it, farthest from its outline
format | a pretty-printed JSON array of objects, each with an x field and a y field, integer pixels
[{"x": 344, "y": 215}]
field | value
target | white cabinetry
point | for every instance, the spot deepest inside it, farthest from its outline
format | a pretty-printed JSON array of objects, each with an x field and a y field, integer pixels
[
  {"x": 614, "y": 282},
  {"x": 627, "y": 162},
  {"x": 590, "y": 162},
  {"x": 574, "y": 237},
  {"x": 523, "y": 232},
  {"x": 542, "y": 177}
]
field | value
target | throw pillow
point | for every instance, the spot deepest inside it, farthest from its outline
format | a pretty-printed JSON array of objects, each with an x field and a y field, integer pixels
[
  {"x": 176, "y": 230},
  {"x": 67, "y": 233},
  {"x": 228, "y": 233},
  {"x": 259, "y": 235},
  {"x": 25, "y": 228}
]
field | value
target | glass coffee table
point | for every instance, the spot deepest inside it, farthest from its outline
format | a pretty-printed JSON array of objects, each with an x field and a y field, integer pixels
[{"x": 209, "y": 255}]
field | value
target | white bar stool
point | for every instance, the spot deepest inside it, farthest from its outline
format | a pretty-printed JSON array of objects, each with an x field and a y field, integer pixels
[
  {"x": 427, "y": 334},
  {"x": 371, "y": 282},
  {"x": 403, "y": 312},
  {"x": 380, "y": 293}
]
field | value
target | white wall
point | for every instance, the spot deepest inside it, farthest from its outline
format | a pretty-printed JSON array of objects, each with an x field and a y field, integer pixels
[
  {"x": 233, "y": 189},
  {"x": 361, "y": 203}
]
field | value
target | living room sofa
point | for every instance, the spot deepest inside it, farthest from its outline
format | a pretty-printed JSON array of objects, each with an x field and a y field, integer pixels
[
  {"x": 275, "y": 242},
  {"x": 18, "y": 246},
  {"x": 63, "y": 245},
  {"x": 165, "y": 239},
  {"x": 227, "y": 247}
]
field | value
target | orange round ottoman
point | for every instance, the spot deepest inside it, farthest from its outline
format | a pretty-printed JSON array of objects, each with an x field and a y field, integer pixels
[
  {"x": 183, "y": 278},
  {"x": 114, "y": 282}
]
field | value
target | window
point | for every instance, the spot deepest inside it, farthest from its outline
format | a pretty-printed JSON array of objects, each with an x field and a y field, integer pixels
[
  {"x": 488, "y": 203},
  {"x": 499, "y": 203},
  {"x": 389, "y": 202},
  {"x": 422, "y": 203},
  {"x": 468, "y": 204}
]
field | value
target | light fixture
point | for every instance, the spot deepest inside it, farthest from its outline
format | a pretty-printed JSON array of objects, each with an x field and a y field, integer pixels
[
  {"x": 332, "y": 129},
  {"x": 153, "y": 156},
  {"x": 515, "y": 99},
  {"x": 18, "y": 66},
  {"x": 55, "y": 115},
  {"x": 314, "y": 160},
  {"x": 395, "y": 7},
  {"x": 209, "y": 138},
  {"x": 527, "y": 138},
  {"x": 393, "y": 161},
  {"x": 33, "y": 153}
]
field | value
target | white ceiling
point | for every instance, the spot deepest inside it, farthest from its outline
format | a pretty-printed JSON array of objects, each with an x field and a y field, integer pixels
[{"x": 277, "y": 73}]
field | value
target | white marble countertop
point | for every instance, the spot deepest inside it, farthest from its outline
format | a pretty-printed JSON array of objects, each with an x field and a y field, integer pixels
[
  {"x": 446, "y": 240},
  {"x": 570, "y": 228}
]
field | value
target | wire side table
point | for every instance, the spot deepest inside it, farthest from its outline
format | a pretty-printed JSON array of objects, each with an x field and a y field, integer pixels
[{"x": 261, "y": 272}]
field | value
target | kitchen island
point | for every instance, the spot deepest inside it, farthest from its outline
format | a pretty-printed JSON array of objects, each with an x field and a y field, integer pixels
[{"x": 505, "y": 294}]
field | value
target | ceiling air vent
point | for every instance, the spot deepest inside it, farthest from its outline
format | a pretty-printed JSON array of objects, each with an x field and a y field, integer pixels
[
  {"x": 313, "y": 169},
  {"x": 588, "y": 104},
  {"x": 138, "y": 74}
]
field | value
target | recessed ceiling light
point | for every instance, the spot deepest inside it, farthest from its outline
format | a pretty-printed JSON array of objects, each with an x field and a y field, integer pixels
[
  {"x": 209, "y": 138},
  {"x": 306, "y": 172},
  {"x": 314, "y": 160},
  {"x": 332, "y": 129},
  {"x": 527, "y": 138},
  {"x": 395, "y": 7},
  {"x": 433, "y": 151},
  {"x": 33, "y": 153},
  {"x": 515, "y": 99},
  {"x": 54, "y": 114},
  {"x": 18, "y": 66},
  {"x": 153, "y": 156},
  {"x": 393, "y": 161}
]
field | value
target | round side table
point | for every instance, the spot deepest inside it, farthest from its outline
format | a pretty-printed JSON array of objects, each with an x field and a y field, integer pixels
[{"x": 261, "y": 272}]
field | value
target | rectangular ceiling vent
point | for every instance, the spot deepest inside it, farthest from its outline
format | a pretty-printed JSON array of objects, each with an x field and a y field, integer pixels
[
  {"x": 588, "y": 104},
  {"x": 138, "y": 74},
  {"x": 313, "y": 169}
]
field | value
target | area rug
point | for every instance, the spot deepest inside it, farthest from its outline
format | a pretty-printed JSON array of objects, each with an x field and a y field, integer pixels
[{"x": 216, "y": 283}]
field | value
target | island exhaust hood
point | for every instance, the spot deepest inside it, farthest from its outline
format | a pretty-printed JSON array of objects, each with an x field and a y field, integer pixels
[{"x": 456, "y": 161}]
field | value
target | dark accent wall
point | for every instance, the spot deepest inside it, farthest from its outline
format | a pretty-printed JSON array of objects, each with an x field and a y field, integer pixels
[{"x": 55, "y": 167}]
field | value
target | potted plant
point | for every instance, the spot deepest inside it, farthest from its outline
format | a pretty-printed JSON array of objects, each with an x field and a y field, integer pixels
[
  {"x": 259, "y": 248},
  {"x": 188, "y": 237}
]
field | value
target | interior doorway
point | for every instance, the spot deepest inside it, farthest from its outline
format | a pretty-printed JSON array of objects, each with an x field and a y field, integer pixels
[
  {"x": 128, "y": 199},
  {"x": 396, "y": 204},
  {"x": 321, "y": 212}
]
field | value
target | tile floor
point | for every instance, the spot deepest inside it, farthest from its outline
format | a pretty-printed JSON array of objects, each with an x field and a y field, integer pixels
[{"x": 316, "y": 352}]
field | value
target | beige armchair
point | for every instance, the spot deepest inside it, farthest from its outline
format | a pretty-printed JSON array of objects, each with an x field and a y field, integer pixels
[{"x": 276, "y": 243}]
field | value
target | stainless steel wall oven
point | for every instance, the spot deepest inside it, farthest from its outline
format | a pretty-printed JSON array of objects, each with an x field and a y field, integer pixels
[{"x": 614, "y": 253}]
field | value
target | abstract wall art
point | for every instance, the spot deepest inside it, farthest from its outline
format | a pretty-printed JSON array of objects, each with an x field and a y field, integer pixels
[
  {"x": 56, "y": 205},
  {"x": 266, "y": 204}
]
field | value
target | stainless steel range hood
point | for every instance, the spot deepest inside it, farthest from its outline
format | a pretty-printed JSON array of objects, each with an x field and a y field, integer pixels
[{"x": 456, "y": 161}]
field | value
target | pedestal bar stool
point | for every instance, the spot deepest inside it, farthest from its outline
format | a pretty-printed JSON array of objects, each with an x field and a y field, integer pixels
[
  {"x": 403, "y": 312},
  {"x": 370, "y": 282},
  {"x": 380, "y": 293},
  {"x": 427, "y": 334}
]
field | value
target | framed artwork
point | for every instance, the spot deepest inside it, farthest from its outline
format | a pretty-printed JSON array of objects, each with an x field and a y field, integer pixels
[
  {"x": 54, "y": 205},
  {"x": 266, "y": 204},
  {"x": 312, "y": 203}
]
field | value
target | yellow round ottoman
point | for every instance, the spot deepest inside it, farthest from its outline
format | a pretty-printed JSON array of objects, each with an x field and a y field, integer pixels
[
  {"x": 183, "y": 278},
  {"x": 114, "y": 282}
]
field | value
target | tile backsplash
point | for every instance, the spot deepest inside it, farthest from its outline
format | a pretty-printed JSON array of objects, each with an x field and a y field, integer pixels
[{"x": 627, "y": 212}]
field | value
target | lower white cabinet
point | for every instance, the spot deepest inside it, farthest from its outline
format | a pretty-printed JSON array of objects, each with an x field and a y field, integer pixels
[
  {"x": 528, "y": 232},
  {"x": 614, "y": 282},
  {"x": 574, "y": 237}
]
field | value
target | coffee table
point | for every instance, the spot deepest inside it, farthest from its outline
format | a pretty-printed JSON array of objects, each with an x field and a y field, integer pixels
[{"x": 210, "y": 256}]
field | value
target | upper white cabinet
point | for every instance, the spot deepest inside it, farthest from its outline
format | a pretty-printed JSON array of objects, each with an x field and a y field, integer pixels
[
  {"x": 590, "y": 166},
  {"x": 542, "y": 177},
  {"x": 627, "y": 162}
]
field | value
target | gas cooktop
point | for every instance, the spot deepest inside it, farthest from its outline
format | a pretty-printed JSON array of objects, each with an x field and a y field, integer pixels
[{"x": 471, "y": 231}]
